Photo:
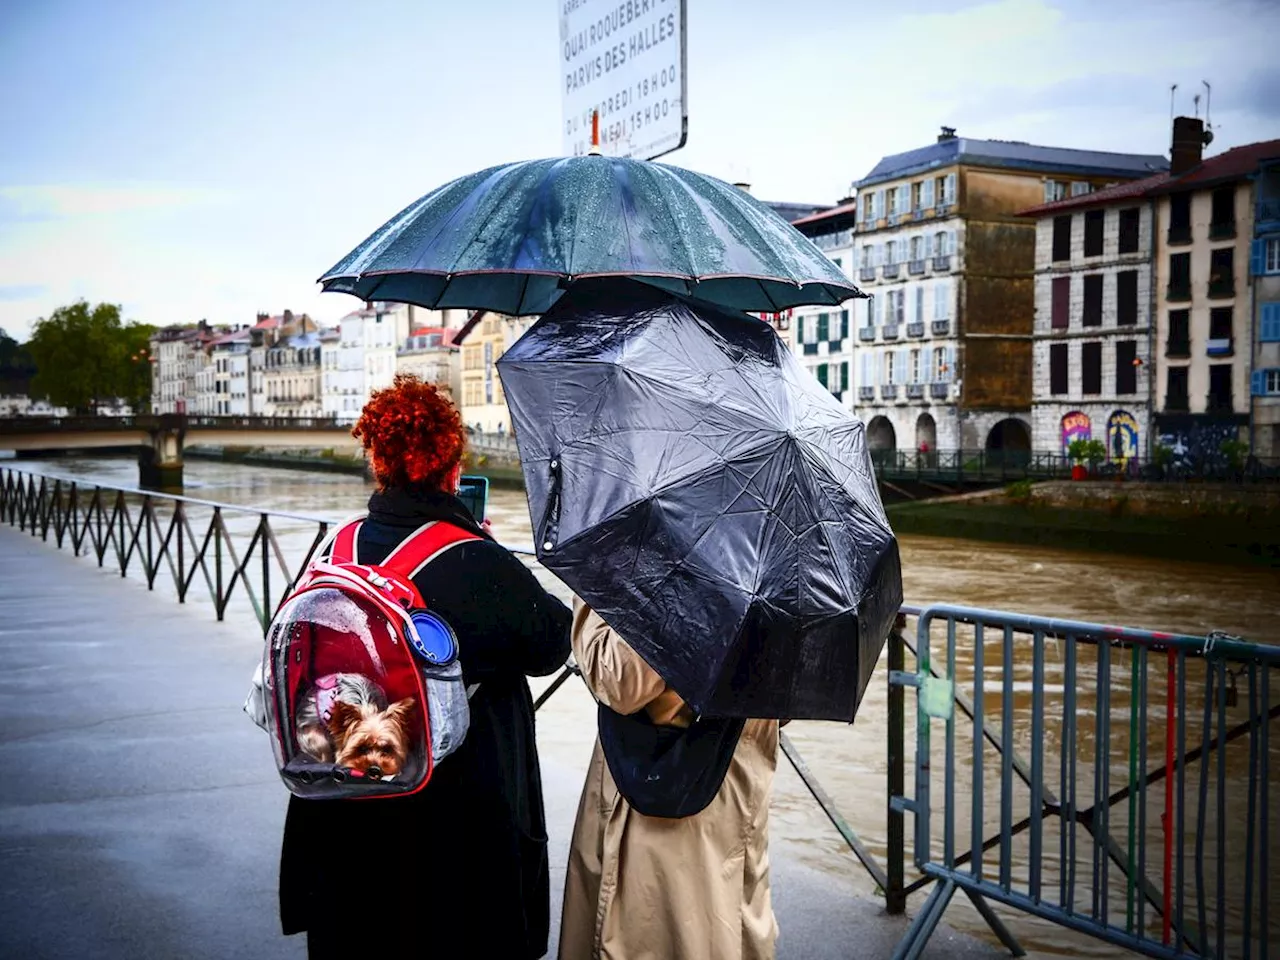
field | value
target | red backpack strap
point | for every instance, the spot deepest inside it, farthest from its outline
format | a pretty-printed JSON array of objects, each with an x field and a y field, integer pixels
[
  {"x": 345, "y": 549},
  {"x": 424, "y": 545}
]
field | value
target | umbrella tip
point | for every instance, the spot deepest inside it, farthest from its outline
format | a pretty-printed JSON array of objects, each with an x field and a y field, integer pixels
[{"x": 595, "y": 134}]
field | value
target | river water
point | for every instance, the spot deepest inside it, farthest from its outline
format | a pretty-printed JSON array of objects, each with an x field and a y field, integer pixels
[{"x": 849, "y": 760}]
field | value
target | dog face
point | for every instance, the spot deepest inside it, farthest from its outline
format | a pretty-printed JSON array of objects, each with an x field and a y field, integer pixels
[{"x": 373, "y": 741}]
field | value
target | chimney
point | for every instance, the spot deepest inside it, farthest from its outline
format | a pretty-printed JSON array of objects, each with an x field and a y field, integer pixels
[
  {"x": 948, "y": 133},
  {"x": 1188, "y": 145}
]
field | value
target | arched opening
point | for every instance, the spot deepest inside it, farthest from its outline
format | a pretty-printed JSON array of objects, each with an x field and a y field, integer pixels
[
  {"x": 1009, "y": 442},
  {"x": 881, "y": 441},
  {"x": 926, "y": 433}
]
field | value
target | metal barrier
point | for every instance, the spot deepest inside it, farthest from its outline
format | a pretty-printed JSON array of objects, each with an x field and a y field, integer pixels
[{"x": 1082, "y": 708}]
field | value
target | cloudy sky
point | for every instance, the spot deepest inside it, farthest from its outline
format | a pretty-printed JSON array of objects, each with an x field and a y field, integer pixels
[{"x": 209, "y": 160}]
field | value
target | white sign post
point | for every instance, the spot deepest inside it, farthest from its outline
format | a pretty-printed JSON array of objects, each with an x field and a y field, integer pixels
[{"x": 624, "y": 59}]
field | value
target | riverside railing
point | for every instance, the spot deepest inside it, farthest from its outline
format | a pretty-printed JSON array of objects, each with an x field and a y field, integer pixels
[
  {"x": 237, "y": 553},
  {"x": 1003, "y": 466}
]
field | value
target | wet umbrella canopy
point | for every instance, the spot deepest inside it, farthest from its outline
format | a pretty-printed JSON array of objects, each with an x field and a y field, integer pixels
[
  {"x": 707, "y": 497},
  {"x": 510, "y": 238}
]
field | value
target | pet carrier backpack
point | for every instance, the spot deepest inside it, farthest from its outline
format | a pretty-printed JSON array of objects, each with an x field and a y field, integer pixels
[{"x": 360, "y": 686}]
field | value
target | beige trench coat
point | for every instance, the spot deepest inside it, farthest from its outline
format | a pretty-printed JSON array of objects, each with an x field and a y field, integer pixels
[{"x": 647, "y": 888}]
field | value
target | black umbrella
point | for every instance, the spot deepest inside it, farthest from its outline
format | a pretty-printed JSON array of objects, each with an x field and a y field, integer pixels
[{"x": 707, "y": 497}]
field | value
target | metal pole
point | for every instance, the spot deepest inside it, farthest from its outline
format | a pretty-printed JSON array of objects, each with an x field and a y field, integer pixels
[{"x": 895, "y": 898}]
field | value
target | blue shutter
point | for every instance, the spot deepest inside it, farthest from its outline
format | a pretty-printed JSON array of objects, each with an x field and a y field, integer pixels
[
  {"x": 1270, "y": 332},
  {"x": 926, "y": 364},
  {"x": 1258, "y": 257},
  {"x": 844, "y": 324},
  {"x": 1259, "y": 383},
  {"x": 951, "y": 364},
  {"x": 800, "y": 330}
]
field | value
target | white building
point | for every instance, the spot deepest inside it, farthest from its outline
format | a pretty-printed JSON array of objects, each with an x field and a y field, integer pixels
[
  {"x": 823, "y": 337},
  {"x": 1093, "y": 321},
  {"x": 178, "y": 366},
  {"x": 366, "y": 354},
  {"x": 263, "y": 335},
  {"x": 428, "y": 354},
  {"x": 292, "y": 377},
  {"x": 330, "y": 394}
]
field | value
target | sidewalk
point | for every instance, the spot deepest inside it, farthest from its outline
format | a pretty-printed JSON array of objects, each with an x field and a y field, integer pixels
[{"x": 140, "y": 812}]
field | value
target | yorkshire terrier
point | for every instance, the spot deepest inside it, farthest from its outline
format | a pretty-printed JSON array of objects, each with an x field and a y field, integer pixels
[{"x": 344, "y": 719}]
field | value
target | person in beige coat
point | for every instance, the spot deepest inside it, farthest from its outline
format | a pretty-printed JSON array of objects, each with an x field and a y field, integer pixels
[{"x": 651, "y": 888}]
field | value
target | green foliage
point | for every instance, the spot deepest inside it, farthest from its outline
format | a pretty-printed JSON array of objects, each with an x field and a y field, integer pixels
[
  {"x": 1091, "y": 451},
  {"x": 1163, "y": 455},
  {"x": 15, "y": 360},
  {"x": 1236, "y": 453},
  {"x": 84, "y": 355},
  {"x": 1019, "y": 492}
]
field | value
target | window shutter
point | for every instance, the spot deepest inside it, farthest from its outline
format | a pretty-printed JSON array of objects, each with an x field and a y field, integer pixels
[
  {"x": 951, "y": 364},
  {"x": 926, "y": 364},
  {"x": 1258, "y": 257},
  {"x": 844, "y": 376},
  {"x": 926, "y": 193},
  {"x": 844, "y": 324},
  {"x": 1259, "y": 383},
  {"x": 799, "y": 329},
  {"x": 951, "y": 188},
  {"x": 1270, "y": 332},
  {"x": 919, "y": 304},
  {"x": 902, "y": 366}
]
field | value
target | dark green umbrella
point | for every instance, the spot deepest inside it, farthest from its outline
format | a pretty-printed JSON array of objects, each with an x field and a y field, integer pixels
[{"x": 511, "y": 238}]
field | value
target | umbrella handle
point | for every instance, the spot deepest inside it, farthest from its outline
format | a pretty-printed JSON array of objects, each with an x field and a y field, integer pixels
[{"x": 549, "y": 528}]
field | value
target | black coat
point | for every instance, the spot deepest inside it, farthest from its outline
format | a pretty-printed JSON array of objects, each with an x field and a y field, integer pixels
[{"x": 467, "y": 856}]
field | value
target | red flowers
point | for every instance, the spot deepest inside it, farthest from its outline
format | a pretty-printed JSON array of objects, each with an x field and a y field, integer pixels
[{"x": 412, "y": 433}]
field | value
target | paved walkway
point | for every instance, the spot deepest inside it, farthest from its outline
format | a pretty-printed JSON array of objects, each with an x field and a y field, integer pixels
[{"x": 140, "y": 811}]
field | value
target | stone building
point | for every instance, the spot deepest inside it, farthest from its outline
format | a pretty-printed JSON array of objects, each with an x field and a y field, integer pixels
[
  {"x": 1264, "y": 267},
  {"x": 945, "y": 345},
  {"x": 483, "y": 339}
]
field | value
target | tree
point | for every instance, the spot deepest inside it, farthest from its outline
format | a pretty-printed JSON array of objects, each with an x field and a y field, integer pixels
[
  {"x": 86, "y": 355},
  {"x": 16, "y": 366}
]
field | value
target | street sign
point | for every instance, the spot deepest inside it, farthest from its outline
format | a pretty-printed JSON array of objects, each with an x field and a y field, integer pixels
[{"x": 626, "y": 60}]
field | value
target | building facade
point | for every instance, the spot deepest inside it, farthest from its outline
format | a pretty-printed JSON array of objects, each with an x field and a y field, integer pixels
[
  {"x": 292, "y": 377},
  {"x": 945, "y": 344},
  {"x": 481, "y": 342},
  {"x": 823, "y": 338},
  {"x": 428, "y": 354},
  {"x": 1264, "y": 269},
  {"x": 178, "y": 367},
  {"x": 1093, "y": 373},
  {"x": 1209, "y": 299}
]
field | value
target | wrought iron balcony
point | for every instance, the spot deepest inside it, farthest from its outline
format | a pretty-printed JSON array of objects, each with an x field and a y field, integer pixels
[
  {"x": 890, "y": 331},
  {"x": 890, "y": 270},
  {"x": 1224, "y": 230},
  {"x": 1217, "y": 403},
  {"x": 1177, "y": 349},
  {"x": 941, "y": 328},
  {"x": 1218, "y": 347},
  {"x": 915, "y": 267},
  {"x": 915, "y": 391},
  {"x": 867, "y": 333},
  {"x": 1222, "y": 289},
  {"x": 889, "y": 391},
  {"x": 866, "y": 393},
  {"x": 915, "y": 329},
  {"x": 1176, "y": 403},
  {"x": 942, "y": 263},
  {"x": 1180, "y": 235},
  {"x": 939, "y": 390},
  {"x": 866, "y": 274},
  {"x": 1266, "y": 211},
  {"x": 1178, "y": 292}
]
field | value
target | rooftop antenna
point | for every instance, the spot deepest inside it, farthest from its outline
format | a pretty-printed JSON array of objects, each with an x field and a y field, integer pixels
[
  {"x": 1208, "y": 127},
  {"x": 1172, "y": 90},
  {"x": 1196, "y": 101}
]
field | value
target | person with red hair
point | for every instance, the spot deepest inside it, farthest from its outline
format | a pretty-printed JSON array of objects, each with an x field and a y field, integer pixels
[{"x": 469, "y": 850}]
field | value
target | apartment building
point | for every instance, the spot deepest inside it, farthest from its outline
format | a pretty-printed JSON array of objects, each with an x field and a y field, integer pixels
[
  {"x": 823, "y": 337},
  {"x": 428, "y": 354},
  {"x": 1264, "y": 268},
  {"x": 178, "y": 363},
  {"x": 482, "y": 341},
  {"x": 944, "y": 347}
]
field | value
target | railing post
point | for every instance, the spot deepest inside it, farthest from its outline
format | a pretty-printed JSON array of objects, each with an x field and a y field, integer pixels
[{"x": 895, "y": 898}]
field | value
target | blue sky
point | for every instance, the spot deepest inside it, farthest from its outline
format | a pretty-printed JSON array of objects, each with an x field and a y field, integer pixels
[{"x": 192, "y": 159}]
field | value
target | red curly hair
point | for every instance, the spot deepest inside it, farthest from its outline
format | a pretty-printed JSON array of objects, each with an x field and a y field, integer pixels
[{"x": 412, "y": 433}]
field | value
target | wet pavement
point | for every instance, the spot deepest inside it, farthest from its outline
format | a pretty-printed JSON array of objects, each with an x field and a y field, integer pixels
[{"x": 140, "y": 810}]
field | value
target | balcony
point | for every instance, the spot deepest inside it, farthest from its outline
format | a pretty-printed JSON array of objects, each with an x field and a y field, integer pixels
[
  {"x": 1222, "y": 289},
  {"x": 1216, "y": 403},
  {"x": 915, "y": 329},
  {"x": 1226, "y": 230},
  {"x": 943, "y": 209},
  {"x": 889, "y": 391},
  {"x": 1219, "y": 347},
  {"x": 866, "y": 393},
  {"x": 890, "y": 270},
  {"x": 942, "y": 263},
  {"x": 939, "y": 390},
  {"x": 867, "y": 333},
  {"x": 917, "y": 214},
  {"x": 1264, "y": 213},
  {"x": 890, "y": 331},
  {"x": 1178, "y": 349},
  {"x": 1180, "y": 235},
  {"x": 1178, "y": 292},
  {"x": 915, "y": 267},
  {"x": 941, "y": 328},
  {"x": 810, "y": 349},
  {"x": 867, "y": 274},
  {"x": 1176, "y": 403},
  {"x": 915, "y": 391}
]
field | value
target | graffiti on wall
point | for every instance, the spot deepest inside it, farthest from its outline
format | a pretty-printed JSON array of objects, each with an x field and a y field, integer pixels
[
  {"x": 1122, "y": 437},
  {"x": 1195, "y": 440},
  {"x": 1075, "y": 426}
]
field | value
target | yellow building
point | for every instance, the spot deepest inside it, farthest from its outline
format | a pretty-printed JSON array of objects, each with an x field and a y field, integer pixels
[{"x": 483, "y": 340}]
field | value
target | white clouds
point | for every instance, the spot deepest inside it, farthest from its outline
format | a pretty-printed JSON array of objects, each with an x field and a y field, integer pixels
[{"x": 66, "y": 200}]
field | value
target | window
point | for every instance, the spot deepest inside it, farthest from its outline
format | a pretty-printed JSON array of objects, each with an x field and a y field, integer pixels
[
  {"x": 926, "y": 194},
  {"x": 1126, "y": 368},
  {"x": 1223, "y": 222},
  {"x": 1080, "y": 187},
  {"x": 1094, "y": 221},
  {"x": 895, "y": 306},
  {"x": 1054, "y": 190},
  {"x": 920, "y": 307},
  {"x": 1061, "y": 304},
  {"x": 1057, "y": 368},
  {"x": 1222, "y": 272},
  {"x": 1220, "y": 388},
  {"x": 889, "y": 368},
  {"x": 879, "y": 205},
  {"x": 1091, "y": 368},
  {"x": 1062, "y": 238},
  {"x": 1266, "y": 256},
  {"x": 941, "y": 244},
  {"x": 1180, "y": 276},
  {"x": 1266, "y": 383},
  {"x": 893, "y": 210},
  {"x": 891, "y": 252},
  {"x": 1220, "y": 323},
  {"x": 868, "y": 256},
  {"x": 844, "y": 327},
  {"x": 868, "y": 207},
  {"x": 904, "y": 199},
  {"x": 942, "y": 365},
  {"x": 844, "y": 376},
  {"x": 1127, "y": 298},
  {"x": 1269, "y": 328},
  {"x": 1180, "y": 218},
  {"x": 917, "y": 248},
  {"x": 947, "y": 190},
  {"x": 1092, "y": 314},
  {"x": 823, "y": 332},
  {"x": 822, "y": 374},
  {"x": 942, "y": 301},
  {"x": 915, "y": 366}
]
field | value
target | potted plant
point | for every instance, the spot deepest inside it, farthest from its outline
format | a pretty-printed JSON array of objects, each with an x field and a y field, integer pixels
[
  {"x": 1077, "y": 451},
  {"x": 1095, "y": 452}
]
